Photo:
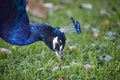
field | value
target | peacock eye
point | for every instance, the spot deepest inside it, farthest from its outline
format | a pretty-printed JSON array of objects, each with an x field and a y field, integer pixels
[
  {"x": 57, "y": 46},
  {"x": 60, "y": 43}
]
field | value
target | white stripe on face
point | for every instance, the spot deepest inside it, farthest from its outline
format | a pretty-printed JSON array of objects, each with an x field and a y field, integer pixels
[
  {"x": 61, "y": 47},
  {"x": 55, "y": 40}
]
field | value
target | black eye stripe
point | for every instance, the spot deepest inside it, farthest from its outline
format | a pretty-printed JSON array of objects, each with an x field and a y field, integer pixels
[
  {"x": 57, "y": 46},
  {"x": 60, "y": 42}
]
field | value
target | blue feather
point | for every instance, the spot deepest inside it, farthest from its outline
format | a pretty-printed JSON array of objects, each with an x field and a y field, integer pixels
[
  {"x": 15, "y": 28},
  {"x": 77, "y": 25}
]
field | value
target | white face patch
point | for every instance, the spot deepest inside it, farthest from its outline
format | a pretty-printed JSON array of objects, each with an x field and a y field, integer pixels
[
  {"x": 55, "y": 40},
  {"x": 61, "y": 47}
]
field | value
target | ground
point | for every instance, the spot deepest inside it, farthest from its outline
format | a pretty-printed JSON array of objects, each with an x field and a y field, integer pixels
[{"x": 92, "y": 55}]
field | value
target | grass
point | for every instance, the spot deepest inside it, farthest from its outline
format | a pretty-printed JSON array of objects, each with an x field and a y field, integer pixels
[{"x": 100, "y": 53}]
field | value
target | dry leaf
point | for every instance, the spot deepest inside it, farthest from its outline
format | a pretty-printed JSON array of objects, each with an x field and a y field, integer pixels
[
  {"x": 86, "y": 6},
  {"x": 105, "y": 24},
  {"x": 37, "y": 8},
  {"x": 88, "y": 67},
  {"x": 95, "y": 34},
  {"x": 49, "y": 6},
  {"x": 70, "y": 48},
  {"x": 4, "y": 50},
  {"x": 87, "y": 27},
  {"x": 104, "y": 12},
  {"x": 62, "y": 78}
]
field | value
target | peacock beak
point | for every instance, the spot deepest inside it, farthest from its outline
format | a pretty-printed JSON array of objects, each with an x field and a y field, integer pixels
[{"x": 59, "y": 54}]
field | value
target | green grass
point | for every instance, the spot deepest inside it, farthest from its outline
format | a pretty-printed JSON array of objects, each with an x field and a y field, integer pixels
[{"x": 38, "y": 62}]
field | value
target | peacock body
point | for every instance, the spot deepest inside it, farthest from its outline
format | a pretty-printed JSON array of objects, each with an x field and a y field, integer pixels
[{"x": 16, "y": 29}]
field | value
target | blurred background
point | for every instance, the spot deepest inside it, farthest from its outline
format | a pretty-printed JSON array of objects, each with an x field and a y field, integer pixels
[{"x": 94, "y": 54}]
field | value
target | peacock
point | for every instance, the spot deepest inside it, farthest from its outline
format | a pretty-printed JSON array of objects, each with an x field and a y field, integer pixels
[{"x": 16, "y": 29}]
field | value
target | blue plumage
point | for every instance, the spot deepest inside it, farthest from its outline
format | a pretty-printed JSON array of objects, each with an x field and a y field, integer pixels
[
  {"x": 77, "y": 25},
  {"x": 15, "y": 28}
]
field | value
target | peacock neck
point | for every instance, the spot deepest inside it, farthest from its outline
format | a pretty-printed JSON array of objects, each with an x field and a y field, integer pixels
[
  {"x": 38, "y": 32},
  {"x": 24, "y": 34},
  {"x": 41, "y": 31}
]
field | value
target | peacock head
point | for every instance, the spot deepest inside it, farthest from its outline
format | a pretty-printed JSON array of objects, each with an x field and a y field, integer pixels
[
  {"x": 59, "y": 40},
  {"x": 56, "y": 42}
]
